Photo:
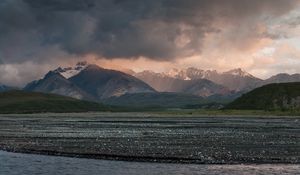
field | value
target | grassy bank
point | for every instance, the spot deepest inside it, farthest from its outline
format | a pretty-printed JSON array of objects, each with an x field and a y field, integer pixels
[{"x": 32, "y": 102}]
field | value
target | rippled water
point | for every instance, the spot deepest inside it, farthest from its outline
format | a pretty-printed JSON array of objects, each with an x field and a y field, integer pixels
[{"x": 27, "y": 164}]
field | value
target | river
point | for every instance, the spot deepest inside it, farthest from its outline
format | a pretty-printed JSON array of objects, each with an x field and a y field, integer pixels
[{"x": 30, "y": 164}]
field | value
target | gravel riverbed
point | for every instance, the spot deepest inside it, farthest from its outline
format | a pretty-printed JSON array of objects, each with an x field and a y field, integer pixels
[{"x": 155, "y": 138}]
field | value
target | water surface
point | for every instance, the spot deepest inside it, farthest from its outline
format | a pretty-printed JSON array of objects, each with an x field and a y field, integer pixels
[{"x": 30, "y": 164}]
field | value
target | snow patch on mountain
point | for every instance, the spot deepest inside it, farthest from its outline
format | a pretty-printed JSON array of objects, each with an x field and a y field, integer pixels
[
  {"x": 173, "y": 73},
  {"x": 69, "y": 72},
  {"x": 192, "y": 73},
  {"x": 239, "y": 72}
]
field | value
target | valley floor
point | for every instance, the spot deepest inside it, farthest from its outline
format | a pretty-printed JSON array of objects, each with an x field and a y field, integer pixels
[{"x": 155, "y": 137}]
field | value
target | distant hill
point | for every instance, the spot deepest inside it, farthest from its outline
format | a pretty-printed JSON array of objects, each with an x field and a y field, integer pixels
[
  {"x": 34, "y": 102},
  {"x": 282, "y": 78},
  {"x": 281, "y": 96},
  {"x": 162, "y": 100},
  {"x": 4, "y": 88}
]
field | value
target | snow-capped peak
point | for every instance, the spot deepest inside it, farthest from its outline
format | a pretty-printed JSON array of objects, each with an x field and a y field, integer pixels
[
  {"x": 239, "y": 72},
  {"x": 193, "y": 73},
  {"x": 190, "y": 73},
  {"x": 173, "y": 73},
  {"x": 69, "y": 72}
]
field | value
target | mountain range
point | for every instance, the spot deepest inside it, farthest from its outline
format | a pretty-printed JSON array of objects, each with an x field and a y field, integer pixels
[
  {"x": 237, "y": 80},
  {"x": 165, "y": 83},
  {"x": 91, "y": 82},
  {"x": 233, "y": 80},
  {"x": 88, "y": 82}
]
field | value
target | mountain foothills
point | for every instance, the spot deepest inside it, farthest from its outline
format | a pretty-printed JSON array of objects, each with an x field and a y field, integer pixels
[
  {"x": 191, "y": 86},
  {"x": 282, "y": 96},
  {"x": 164, "y": 100}
]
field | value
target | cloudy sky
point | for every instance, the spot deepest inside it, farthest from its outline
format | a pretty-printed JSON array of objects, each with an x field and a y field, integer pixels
[{"x": 260, "y": 36}]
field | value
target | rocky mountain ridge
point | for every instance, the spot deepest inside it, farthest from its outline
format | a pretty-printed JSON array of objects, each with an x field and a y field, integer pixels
[{"x": 89, "y": 82}]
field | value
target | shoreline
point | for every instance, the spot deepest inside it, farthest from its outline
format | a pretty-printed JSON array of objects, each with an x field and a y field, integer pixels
[{"x": 168, "y": 160}]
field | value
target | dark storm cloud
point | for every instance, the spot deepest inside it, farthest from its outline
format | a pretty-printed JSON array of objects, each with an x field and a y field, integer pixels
[
  {"x": 61, "y": 5},
  {"x": 39, "y": 30}
]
